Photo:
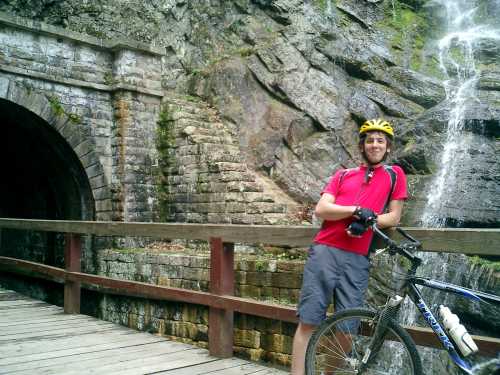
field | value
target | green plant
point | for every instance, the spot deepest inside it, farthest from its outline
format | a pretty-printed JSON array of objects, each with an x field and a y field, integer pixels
[
  {"x": 246, "y": 51},
  {"x": 479, "y": 261},
  {"x": 56, "y": 105},
  {"x": 109, "y": 79}
]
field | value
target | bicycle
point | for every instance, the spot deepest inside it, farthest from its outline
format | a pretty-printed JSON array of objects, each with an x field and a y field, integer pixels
[{"x": 366, "y": 341}]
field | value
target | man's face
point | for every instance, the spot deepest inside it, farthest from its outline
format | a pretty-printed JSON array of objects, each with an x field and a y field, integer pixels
[{"x": 375, "y": 147}]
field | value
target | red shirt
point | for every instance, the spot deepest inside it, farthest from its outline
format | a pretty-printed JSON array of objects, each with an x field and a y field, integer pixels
[{"x": 353, "y": 190}]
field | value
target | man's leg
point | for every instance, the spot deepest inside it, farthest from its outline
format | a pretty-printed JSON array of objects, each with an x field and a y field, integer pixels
[{"x": 300, "y": 341}]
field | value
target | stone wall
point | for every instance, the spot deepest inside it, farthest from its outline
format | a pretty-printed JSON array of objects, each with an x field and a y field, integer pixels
[
  {"x": 259, "y": 278},
  {"x": 110, "y": 90},
  {"x": 205, "y": 177}
]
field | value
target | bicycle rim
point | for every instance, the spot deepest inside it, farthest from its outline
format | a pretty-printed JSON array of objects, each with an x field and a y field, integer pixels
[{"x": 339, "y": 344}]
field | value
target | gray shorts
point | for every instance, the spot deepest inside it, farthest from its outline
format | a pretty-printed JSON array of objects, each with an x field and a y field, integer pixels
[{"x": 330, "y": 272}]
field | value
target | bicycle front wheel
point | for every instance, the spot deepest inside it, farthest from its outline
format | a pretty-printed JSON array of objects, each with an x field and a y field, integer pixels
[{"x": 340, "y": 342}]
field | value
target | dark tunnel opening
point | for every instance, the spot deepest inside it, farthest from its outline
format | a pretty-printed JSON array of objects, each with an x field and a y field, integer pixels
[{"x": 42, "y": 178}]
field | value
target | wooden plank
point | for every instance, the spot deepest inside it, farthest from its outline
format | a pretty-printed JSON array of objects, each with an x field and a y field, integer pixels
[
  {"x": 54, "y": 325},
  {"x": 42, "y": 308},
  {"x": 213, "y": 366},
  {"x": 110, "y": 354},
  {"x": 459, "y": 240},
  {"x": 488, "y": 346},
  {"x": 50, "y": 344},
  {"x": 158, "y": 363},
  {"x": 55, "y": 333},
  {"x": 121, "y": 363},
  {"x": 35, "y": 320},
  {"x": 19, "y": 302},
  {"x": 124, "y": 342}
]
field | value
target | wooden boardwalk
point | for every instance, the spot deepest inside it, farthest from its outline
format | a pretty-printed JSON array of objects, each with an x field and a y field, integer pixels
[{"x": 38, "y": 338}]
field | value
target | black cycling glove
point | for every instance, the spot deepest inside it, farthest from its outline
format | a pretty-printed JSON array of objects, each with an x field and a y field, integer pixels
[
  {"x": 357, "y": 228},
  {"x": 365, "y": 215}
]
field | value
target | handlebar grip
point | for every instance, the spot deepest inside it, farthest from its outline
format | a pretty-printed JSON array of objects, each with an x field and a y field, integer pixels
[{"x": 407, "y": 236}]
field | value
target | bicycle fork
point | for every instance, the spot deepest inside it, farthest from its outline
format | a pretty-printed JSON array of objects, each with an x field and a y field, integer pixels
[{"x": 387, "y": 314}]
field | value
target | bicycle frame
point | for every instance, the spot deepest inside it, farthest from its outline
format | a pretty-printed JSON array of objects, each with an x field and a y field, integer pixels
[{"x": 416, "y": 297}]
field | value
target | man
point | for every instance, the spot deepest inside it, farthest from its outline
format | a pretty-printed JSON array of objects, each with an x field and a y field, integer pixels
[{"x": 338, "y": 263}]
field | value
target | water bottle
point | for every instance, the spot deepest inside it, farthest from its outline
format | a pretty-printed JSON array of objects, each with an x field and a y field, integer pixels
[{"x": 457, "y": 331}]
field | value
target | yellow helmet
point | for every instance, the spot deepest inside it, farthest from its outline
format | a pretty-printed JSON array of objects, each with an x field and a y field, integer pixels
[{"x": 377, "y": 124}]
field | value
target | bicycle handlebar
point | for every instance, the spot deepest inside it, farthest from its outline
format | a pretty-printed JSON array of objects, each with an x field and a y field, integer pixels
[{"x": 404, "y": 249}]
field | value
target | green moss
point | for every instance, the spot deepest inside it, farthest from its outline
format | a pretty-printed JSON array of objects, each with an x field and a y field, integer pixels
[
  {"x": 59, "y": 110},
  {"x": 56, "y": 105},
  {"x": 109, "y": 79},
  {"x": 74, "y": 118},
  {"x": 478, "y": 261},
  {"x": 407, "y": 32},
  {"x": 165, "y": 141},
  {"x": 246, "y": 51}
]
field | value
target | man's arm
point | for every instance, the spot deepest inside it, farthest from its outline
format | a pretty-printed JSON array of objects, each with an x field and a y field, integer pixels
[
  {"x": 393, "y": 216},
  {"x": 326, "y": 209}
]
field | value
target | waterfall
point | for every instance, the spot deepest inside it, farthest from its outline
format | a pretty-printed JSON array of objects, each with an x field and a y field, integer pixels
[{"x": 458, "y": 50}]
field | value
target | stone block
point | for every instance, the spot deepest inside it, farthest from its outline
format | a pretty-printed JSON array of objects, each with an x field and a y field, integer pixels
[
  {"x": 277, "y": 343},
  {"x": 286, "y": 280},
  {"x": 243, "y": 186},
  {"x": 247, "y": 338},
  {"x": 250, "y": 291},
  {"x": 257, "y": 197},
  {"x": 215, "y": 218},
  {"x": 196, "y": 274},
  {"x": 251, "y": 354},
  {"x": 279, "y": 358},
  {"x": 291, "y": 266},
  {"x": 244, "y": 322},
  {"x": 200, "y": 262},
  {"x": 259, "y": 278}
]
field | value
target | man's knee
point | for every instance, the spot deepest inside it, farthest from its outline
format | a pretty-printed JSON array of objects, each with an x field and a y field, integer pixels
[{"x": 304, "y": 329}]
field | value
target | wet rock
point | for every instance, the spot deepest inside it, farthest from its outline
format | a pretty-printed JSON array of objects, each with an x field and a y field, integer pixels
[
  {"x": 389, "y": 101},
  {"x": 421, "y": 89},
  {"x": 489, "y": 80}
]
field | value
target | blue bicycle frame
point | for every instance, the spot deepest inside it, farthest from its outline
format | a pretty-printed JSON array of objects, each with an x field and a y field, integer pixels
[{"x": 416, "y": 296}]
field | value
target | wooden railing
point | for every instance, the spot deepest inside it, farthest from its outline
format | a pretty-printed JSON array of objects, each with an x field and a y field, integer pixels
[{"x": 220, "y": 300}]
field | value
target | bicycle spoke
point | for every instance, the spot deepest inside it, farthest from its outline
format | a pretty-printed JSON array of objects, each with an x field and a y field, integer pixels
[{"x": 339, "y": 345}]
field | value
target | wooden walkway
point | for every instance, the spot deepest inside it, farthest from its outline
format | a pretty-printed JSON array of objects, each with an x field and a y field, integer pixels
[{"x": 38, "y": 338}]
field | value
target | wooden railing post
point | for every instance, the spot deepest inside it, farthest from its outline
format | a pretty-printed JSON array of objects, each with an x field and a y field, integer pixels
[
  {"x": 220, "y": 321},
  {"x": 72, "y": 255}
]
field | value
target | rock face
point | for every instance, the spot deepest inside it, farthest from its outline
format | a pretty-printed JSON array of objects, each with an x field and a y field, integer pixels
[{"x": 295, "y": 78}]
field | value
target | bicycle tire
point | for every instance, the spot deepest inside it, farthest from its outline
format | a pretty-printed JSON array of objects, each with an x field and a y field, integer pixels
[{"x": 398, "y": 354}]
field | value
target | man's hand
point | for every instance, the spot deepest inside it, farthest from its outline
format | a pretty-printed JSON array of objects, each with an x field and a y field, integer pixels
[
  {"x": 365, "y": 216},
  {"x": 356, "y": 229}
]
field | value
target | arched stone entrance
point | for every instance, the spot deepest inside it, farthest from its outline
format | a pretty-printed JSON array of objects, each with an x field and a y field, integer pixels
[{"x": 47, "y": 157}]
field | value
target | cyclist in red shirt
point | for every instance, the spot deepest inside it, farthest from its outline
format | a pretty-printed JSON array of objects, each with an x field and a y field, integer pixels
[{"x": 338, "y": 263}]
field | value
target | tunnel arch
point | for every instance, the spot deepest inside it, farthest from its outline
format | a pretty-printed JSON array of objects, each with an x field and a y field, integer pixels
[{"x": 48, "y": 165}]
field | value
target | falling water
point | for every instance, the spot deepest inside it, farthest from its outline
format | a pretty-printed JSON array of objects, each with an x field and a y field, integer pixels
[
  {"x": 457, "y": 62},
  {"x": 457, "y": 52}
]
